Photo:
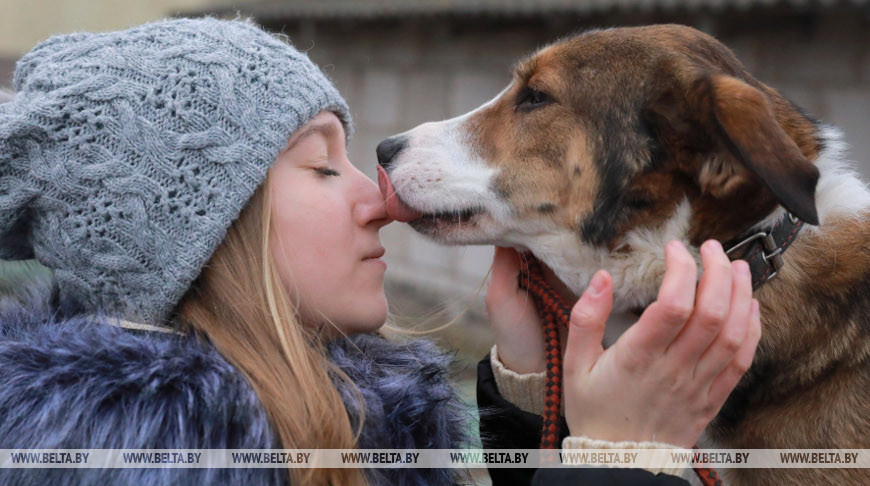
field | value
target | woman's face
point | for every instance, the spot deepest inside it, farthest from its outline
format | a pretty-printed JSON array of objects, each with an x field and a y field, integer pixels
[{"x": 324, "y": 238}]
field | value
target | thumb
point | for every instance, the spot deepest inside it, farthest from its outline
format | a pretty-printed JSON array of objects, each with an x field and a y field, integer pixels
[
  {"x": 505, "y": 261},
  {"x": 506, "y": 264},
  {"x": 586, "y": 330}
]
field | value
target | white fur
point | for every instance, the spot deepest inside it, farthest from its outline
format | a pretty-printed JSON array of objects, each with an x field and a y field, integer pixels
[
  {"x": 438, "y": 172},
  {"x": 839, "y": 193},
  {"x": 636, "y": 274}
]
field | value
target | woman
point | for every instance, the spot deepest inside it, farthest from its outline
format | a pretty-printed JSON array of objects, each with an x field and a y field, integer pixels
[{"x": 218, "y": 281}]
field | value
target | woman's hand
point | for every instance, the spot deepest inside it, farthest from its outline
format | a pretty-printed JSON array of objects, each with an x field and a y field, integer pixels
[
  {"x": 670, "y": 373},
  {"x": 513, "y": 318}
]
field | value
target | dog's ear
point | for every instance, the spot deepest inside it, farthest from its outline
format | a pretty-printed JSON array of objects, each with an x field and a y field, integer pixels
[{"x": 740, "y": 117}]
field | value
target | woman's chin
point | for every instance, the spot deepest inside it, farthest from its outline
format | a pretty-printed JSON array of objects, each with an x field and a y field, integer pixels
[
  {"x": 369, "y": 318},
  {"x": 363, "y": 327}
]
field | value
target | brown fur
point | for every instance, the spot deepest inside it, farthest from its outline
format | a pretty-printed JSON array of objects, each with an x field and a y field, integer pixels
[
  {"x": 549, "y": 161},
  {"x": 605, "y": 133},
  {"x": 810, "y": 384},
  {"x": 656, "y": 75},
  {"x": 640, "y": 119}
]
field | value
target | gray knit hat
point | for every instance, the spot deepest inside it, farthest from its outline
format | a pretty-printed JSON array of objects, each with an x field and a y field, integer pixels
[{"x": 125, "y": 156}]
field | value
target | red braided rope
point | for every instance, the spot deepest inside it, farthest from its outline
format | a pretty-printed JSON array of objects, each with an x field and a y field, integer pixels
[{"x": 555, "y": 313}]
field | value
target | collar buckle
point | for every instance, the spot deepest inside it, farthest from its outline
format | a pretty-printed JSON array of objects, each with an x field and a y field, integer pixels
[{"x": 770, "y": 252}]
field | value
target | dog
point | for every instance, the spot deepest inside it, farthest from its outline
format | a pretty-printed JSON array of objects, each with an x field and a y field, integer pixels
[{"x": 608, "y": 144}]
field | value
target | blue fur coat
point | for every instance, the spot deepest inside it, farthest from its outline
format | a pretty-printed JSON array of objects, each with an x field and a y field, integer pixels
[{"x": 67, "y": 382}]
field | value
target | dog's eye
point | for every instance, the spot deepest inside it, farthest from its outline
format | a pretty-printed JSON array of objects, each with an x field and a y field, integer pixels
[{"x": 531, "y": 98}]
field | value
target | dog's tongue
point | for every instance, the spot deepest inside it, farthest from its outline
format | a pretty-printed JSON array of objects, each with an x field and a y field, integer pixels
[{"x": 397, "y": 209}]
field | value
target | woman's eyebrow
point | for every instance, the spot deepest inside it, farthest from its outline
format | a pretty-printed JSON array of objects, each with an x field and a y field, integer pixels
[{"x": 327, "y": 129}]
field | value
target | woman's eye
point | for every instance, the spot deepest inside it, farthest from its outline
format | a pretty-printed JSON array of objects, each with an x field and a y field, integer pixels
[{"x": 326, "y": 171}]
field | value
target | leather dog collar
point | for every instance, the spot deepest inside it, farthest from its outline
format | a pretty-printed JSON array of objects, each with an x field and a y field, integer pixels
[{"x": 764, "y": 249}]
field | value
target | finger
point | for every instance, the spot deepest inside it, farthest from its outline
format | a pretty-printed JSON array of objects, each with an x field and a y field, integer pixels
[
  {"x": 505, "y": 263},
  {"x": 586, "y": 329},
  {"x": 734, "y": 332},
  {"x": 509, "y": 308},
  {"x": 725, "y": 382},
  {"x": 505, "y": 272},
  {"x": 712, "y": 307},
  {"x": 663, "y": 319}
]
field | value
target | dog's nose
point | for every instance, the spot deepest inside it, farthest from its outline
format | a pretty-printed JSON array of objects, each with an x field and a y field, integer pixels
[{"x": 388, "y": 149}]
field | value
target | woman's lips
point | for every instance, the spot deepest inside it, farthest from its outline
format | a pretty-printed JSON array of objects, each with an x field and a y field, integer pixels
[
  {"x": 396, "y": 208},
  {"x": 375, "y": 258},
  {"x": 376, "y": 254}
]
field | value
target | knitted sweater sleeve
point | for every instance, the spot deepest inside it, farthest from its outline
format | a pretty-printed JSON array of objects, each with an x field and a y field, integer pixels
[{"x": 526, "y": 391}]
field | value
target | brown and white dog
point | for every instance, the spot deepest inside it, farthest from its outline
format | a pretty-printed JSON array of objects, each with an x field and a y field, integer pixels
[{"x": 609, "y": 144}]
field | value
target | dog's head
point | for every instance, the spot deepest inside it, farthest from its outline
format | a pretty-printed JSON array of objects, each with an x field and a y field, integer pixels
[{"x": 603, "y": 147}]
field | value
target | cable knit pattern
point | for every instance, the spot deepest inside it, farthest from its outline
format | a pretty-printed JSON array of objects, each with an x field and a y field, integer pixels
[{"x": 125, "y": 156}]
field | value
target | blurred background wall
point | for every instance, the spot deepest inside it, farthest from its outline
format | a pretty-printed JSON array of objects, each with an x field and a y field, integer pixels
[{"x": 403, "y": 62}]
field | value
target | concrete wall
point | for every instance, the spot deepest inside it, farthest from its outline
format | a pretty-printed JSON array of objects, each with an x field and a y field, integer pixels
[{"x": 399, "y": 74}]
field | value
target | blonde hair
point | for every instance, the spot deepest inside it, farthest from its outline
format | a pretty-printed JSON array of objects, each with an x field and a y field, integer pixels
[{"x": 241, "y": 305}]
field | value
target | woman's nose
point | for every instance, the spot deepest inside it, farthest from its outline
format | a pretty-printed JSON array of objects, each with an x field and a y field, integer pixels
[{"x": 371, "y": 208}]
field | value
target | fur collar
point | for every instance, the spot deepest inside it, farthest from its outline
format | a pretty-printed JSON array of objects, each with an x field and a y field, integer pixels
[{"x": 68, "y": 382}]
